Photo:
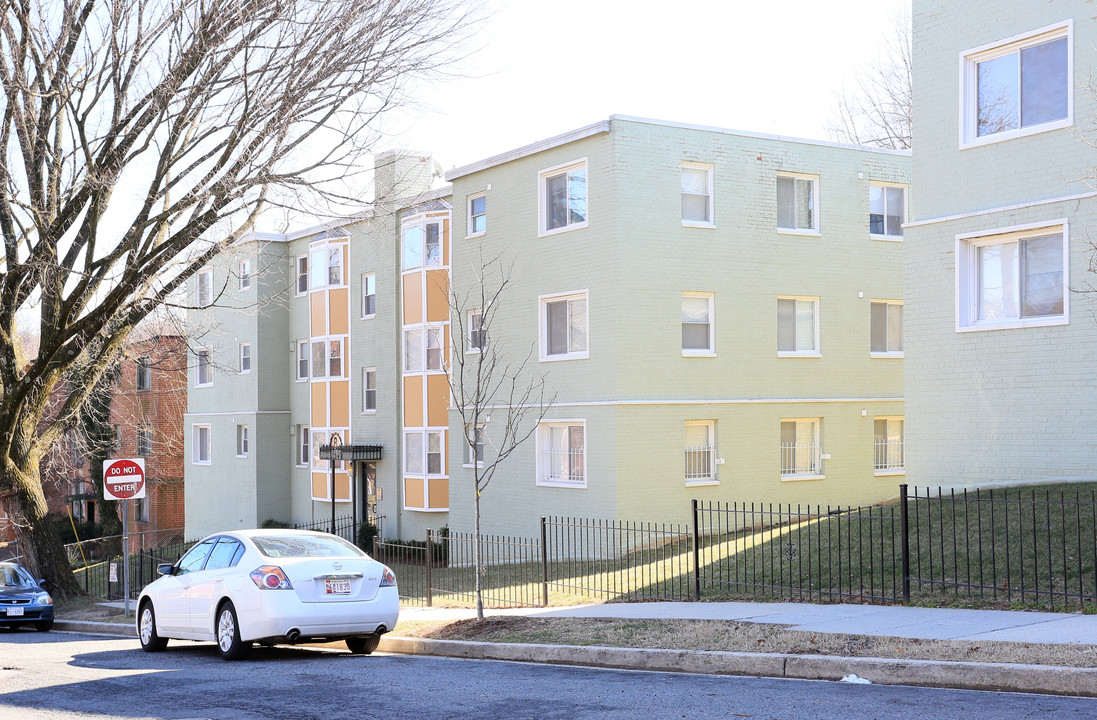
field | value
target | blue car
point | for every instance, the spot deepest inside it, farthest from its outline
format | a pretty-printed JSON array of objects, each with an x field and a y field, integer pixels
[{"x": 22, "y": 599}]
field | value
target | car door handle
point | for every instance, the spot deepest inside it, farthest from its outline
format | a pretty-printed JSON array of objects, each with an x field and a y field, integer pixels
[{"x": 220, "y": 579}]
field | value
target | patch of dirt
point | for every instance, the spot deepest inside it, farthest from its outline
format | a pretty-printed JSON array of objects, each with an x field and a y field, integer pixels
[{"x": 90, "y": 610}]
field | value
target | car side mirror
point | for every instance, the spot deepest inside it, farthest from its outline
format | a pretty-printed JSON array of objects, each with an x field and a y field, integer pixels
[{"x": 165, "y": 569}]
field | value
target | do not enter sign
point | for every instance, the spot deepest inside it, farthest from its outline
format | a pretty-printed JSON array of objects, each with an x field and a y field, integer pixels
[{"x": 124, "y": 479}]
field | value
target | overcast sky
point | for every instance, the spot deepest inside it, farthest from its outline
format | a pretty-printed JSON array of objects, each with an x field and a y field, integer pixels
[{"x": 549, "y": 67}]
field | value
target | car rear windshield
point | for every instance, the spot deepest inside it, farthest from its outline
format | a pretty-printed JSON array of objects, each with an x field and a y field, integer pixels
[
  {"x": 279, "y": 546},
  {"x": 11, "y": 577}
]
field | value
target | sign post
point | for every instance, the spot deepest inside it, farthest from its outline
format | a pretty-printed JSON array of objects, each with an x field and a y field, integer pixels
[{"x": 124, "y": 479}]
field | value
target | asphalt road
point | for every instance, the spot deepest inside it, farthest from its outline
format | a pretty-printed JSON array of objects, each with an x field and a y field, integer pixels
[{"x": 67, "y": 675}]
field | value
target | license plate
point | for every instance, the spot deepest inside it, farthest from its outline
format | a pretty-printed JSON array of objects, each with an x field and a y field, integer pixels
[
  {"x": 337, "y": 587},
  {"x": 15, "y": 612}
]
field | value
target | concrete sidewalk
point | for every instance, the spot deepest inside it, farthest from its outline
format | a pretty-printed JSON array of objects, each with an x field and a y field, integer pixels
[{"x": 880, "y": 620}]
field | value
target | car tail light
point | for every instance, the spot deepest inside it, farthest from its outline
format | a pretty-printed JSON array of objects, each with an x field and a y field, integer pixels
[
  {"x": 270, "y": 577},
  {"x": 387, "y": 578}
]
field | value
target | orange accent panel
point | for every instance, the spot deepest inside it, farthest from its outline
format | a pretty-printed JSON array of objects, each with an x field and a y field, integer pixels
[
  {"x": 320, "y": 485},
  {"x": 320, "y": 404},
  {"x": 342, "y": 486},
  {"x": 413, "y": 493},
  {"x": 413, "y": 401},
  {"x": 437, "y": 296},
  {"x": 317, "y": 310},
  {"x": 437, "y": 401},
  {"x": 439, "y": 493},
  {"x": 413, "y": 298},
  {"x": 338, "y": 311},
  {"x": 340, "y": 403}
]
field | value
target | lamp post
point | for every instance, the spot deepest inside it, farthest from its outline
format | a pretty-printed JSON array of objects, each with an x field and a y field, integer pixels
[{"x": 335, "y": 442}]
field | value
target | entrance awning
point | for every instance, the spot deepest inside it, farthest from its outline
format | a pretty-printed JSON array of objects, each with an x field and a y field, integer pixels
[{"x": 350, "y": 452}]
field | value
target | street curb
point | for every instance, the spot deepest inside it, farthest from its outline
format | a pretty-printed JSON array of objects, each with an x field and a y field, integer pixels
[
  {"x": 96, "y": 628},
  {"x": 929, "y": 673}
]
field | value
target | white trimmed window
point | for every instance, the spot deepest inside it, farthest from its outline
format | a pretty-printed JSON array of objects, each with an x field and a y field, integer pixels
[
  {"x": 887, "y": 210},
  {"x": 700, "y": 452},
  {"x": 413, "y": 350},
  {"x": 203, "y": 368},
  {"x": 144, "y": 439},
  {"x": 304, "y": 446},
  {"x": 697, "y": 194},
  {"x": 422, "y": 244},
  {"x": 335, "y": 358},
  {"x": 302, "y": 268},
  {"x": 435, "y": 460},
  {"x": 245, "y": 358},
  {"x": 801, "y": 452},
  {"x": 478, "y": 215},
  {"x": 477, "y": 333},
  {"x": 434, "y": 348},
  {"x": 319, "y": 359},
  {"x": 888, "y": 445},
  {"x": 698, "y": 328},
  {"x": 1018, "y": 86},
  {"x": 413, "y": 453},
  {"x": 474, "y": 445},
  {"x": 203, "y": 288},
  {"x": 369, "y": 295},
  {"x": 242, "y": 440},
  {"x": 325, "y": 265},
  {"x": 887, "y": 328},
  {"x": 144, "y": 373},
  {"x": 562, "y": 192},
  {"x": 561, "y": 453},
  {"x": 327, "y": 358},
  {"x": 798, "y": 326},
  {"x": 302, "y": 360},
  {"x": 564, "y": 323},
  {"x": 245, "y": 274},
  {"x": 797, "y": 203},
  {"x": 1013, "y": 279},
  {"x": 369, "y": 390},
  {"x": 200, "y": 451}
]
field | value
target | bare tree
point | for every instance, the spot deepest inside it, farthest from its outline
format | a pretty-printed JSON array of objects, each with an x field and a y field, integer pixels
[
  {"x": 500, "y": 404},
  {"x": 141, "y": 137},
  {"x": 876, "y": 112}
]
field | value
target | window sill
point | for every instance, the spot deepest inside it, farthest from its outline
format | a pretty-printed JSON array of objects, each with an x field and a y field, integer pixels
[
  {"x": 797, "y": 478},
  {"x": 1015, "y": 324},
  {"x": 473, "y": 351},
  {"x": 471, "y": 467},
  {"x": 1018, "y": 133},
  {"x": 798, "y": 354},
  {"x": 794, "y": 231},
  {"x": 890, "y": 473},
  {"x": 204, "y": 385},
  {"x": 472, "y": 236},
  {"x": 242, "y": 457},
  {"x": 699, "y": 353},
  {"x": 301, "y": 467},
  {"x": 541, "y": 232},
  {"x": 201, "y": 462},
  {"x": 886, "y": 238},
  {"x": 419, "y": 509},
  {"x": 368, "y": 317},
  {"x": 557, "y": 358},
  {"x": 301, "y": 379},
  {"x": 561, "y": 484},
  {"x": 886, "y": 355},
  {"x": 369, "y": 412},
  {"x": 702, "y": 483},
  {"x": 245, "y": 372},
  {"x": 698, "y": 224}
]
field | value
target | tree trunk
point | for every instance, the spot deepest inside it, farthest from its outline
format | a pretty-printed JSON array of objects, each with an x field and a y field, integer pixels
[
  {"x": 40, "y": 545},
  {"x": 477, "y": 559}
]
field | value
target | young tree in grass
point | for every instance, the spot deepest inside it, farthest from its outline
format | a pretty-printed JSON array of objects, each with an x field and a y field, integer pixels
[
  {"x": 138, "y": 139},
  {"x": 499, "y": 402}
]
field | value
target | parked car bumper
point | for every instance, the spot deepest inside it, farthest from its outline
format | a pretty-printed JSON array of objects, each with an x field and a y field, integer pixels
[
  {"x": 32, "y": 613},
  {"x": 282, "y": 612}
]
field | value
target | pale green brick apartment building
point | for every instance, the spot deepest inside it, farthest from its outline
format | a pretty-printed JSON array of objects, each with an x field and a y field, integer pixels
[
  {"x": 999, "y": 329},
  {"x": 719, "y": 314}
]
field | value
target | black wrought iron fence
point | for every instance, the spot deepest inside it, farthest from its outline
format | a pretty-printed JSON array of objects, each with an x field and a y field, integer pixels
[
  {"x": 345, "y": 527},
  {"x": 99, "y": 567}
]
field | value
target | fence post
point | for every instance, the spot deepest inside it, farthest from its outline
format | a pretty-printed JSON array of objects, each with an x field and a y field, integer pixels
[
  {"x": 544, "y": 563},
  {"x": 696, "y": 556},
  {"x": 430, "y": 561},
  {"x": 904, "y": 531}
]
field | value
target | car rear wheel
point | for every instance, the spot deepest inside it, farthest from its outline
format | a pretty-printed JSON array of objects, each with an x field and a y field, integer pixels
[
  {"x": 44, "y": 625},
  {"x": 146, "y": 629},
  {"x": 363, "y": 645},
  {"x": 228, "y": 634}
]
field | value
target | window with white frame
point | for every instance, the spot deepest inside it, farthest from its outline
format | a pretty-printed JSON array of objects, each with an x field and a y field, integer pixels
[
  {"x": 435, "y": 462},
  {"x": 302, "y": 267},
  {"x": 203, "y": 367},
  {"x": 413, "y": 453},
  {"x": 325, "y": 266},
  {"x": 144, "y": 439},
  {"x": 434, "y": 348},
  {"x": 304, "y": 446},
  {"x": 564, "y": 323},
  {"x": 561, "y": 453},
  {"x": 327, "y": 358},
  {"x": 1013, "y": 279},
  {"x": 369, "y": 295},
  {"x": 203, "y": 291},
  {"x": 801, "y": 452},
  {"x": 422, "y": 244},
  {"x": 477, "y": 333},
  {"x": 319, "y": 359},
  {"x": 245, "y": 274},
  {"x": 563, "y": 197},
  {"x": 696, "y": 194},
  {"x": 478, "y": 214},
  {"x": 474, "y": 444},
  {"x": 888, "y": 444},
  {"x": 369, "y": 390},
  {"x": 200, "y": 451},
  {"x": 700, "y": 451},
  {"x": 241, "y": 440},
  {"x": 144, "y": 373},
  {"x": 797, "y": 326},
  {"x": 302, "y": 360},
  {"x": 335, "y": 358},
  {"x": 245, "y": 358},
  {"x": 887, "y": 328},
  {"x": 1018, "y": 86},
  {"x": 698, "y": 333},
  {"x": 413, "y": 350},
  {"x": 797, "y": 203},
  {"x": 887, "y": 210}
]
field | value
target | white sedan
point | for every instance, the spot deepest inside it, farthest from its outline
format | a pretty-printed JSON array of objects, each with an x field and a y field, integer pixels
[{"x": 269, "y": 586}]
